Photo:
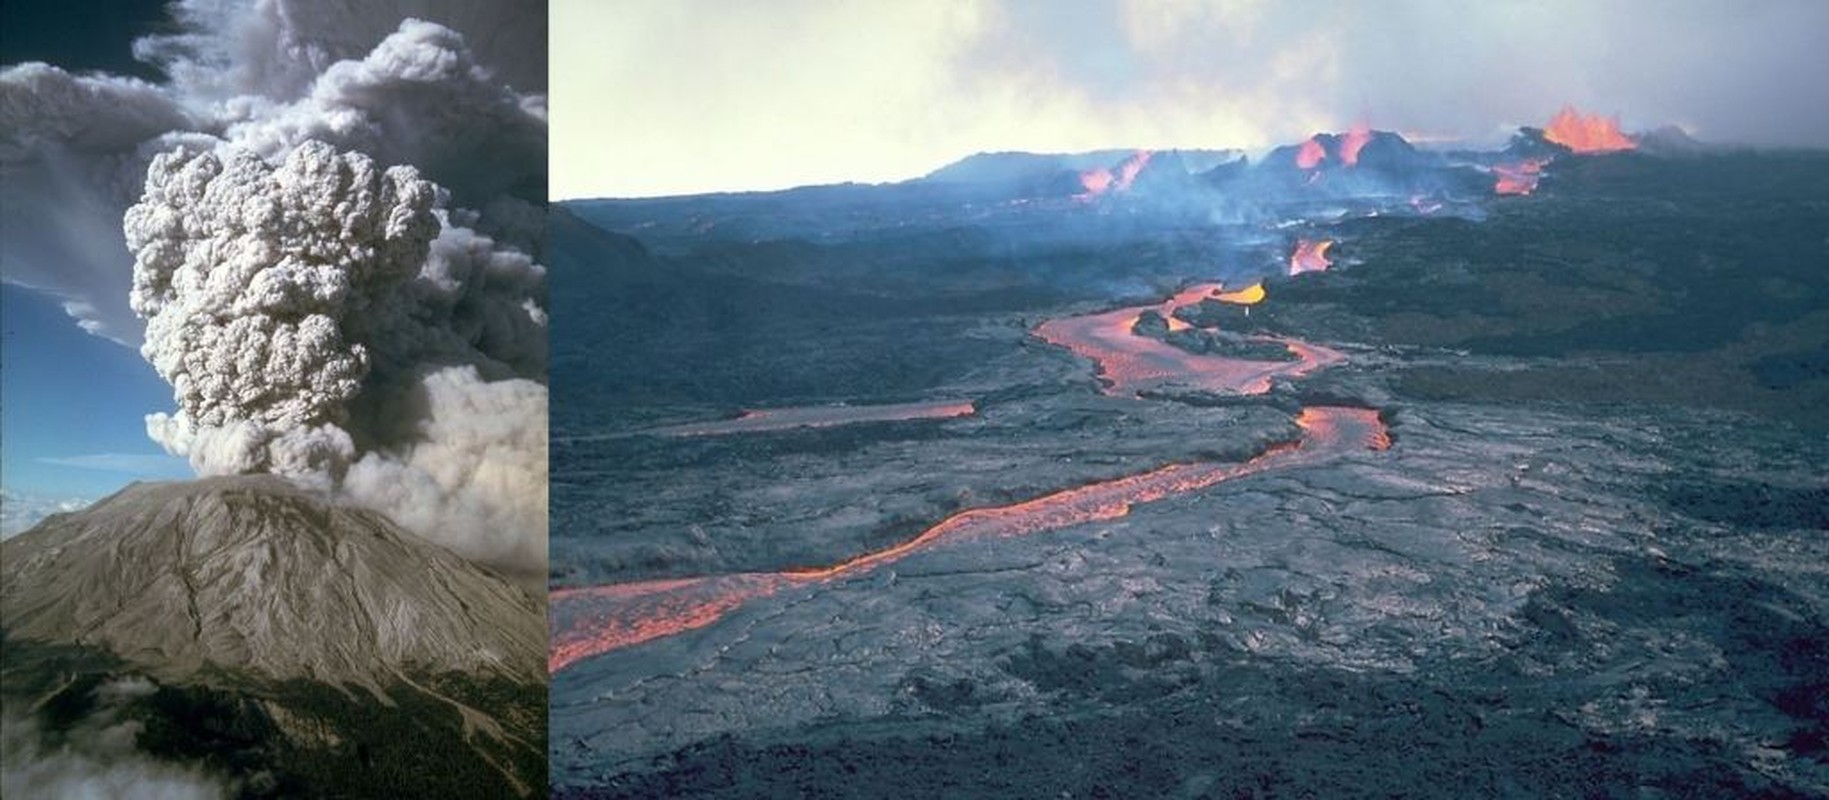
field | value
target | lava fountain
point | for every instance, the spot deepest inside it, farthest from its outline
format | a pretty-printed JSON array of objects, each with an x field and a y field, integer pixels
[
  {"x": 1098, "y": 181},
  {"x": 1587, "y": 133},
  {"x": 1354, "y": 141},
  {"x": 1311, "y": 155}
]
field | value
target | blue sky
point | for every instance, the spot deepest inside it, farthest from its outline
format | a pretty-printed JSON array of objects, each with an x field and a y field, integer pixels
[{"x": 72, "y": 405}]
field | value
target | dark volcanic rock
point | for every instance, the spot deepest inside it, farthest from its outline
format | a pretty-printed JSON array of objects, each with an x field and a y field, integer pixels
[
  {"x": 1591, "y": 564},
  {"x": 1498, "y": 597},
  {"x": 1151, "y": 323},
  {"x": 1229, "y": 345}
]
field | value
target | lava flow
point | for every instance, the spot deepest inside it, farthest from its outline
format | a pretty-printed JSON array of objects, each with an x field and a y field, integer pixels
[
  {"x": 590, "y": 621},
  {"x": 1248, "y": 296},
  {"x": 594, "y": 620},
  {"x": 1519, "y": 178},
  {"x": 775, "y": 419},
  {"x": 1128, "y": 363},
  {"x": 1587, "y": 133},
  {"x": 1310, "y": 256},
  {"x": 1354, "y": 141}
]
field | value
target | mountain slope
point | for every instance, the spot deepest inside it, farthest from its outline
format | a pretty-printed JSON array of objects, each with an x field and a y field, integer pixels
[
  {"x": 251, "y": 574},
  {"x": 274, "y": 642}
]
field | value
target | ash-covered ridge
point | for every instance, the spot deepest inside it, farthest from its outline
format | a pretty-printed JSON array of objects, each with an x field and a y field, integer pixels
[{"x": 251, "y": 575}]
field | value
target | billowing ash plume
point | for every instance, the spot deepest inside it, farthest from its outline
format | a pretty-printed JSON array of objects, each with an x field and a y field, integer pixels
[
  {"x": 331, "y": 252},
  {"x": 324, "y": 309},
  {"x": 249, "y": 277}
]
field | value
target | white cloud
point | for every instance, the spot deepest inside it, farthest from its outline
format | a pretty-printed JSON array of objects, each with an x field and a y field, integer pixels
[
  {"x": 96, "y": 757},
  {"x": 137, "y": 464},
  {"x": 675, "y": 96},
  {"x": 20, "y": 510}
]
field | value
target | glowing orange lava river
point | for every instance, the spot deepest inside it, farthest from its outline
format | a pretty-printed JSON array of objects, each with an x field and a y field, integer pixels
[
  {"x": 1129, "y": 363},
  {"x": 590, "y": 621}
]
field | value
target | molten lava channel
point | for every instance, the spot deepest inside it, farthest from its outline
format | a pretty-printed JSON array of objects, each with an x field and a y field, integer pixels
[
  {"x": 1128, "y": 363},
  {"x": 594, "y": 620}
]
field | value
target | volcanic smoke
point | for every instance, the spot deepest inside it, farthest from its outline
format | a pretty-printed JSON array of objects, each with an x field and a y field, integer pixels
[{"x": 315, "y": 278}]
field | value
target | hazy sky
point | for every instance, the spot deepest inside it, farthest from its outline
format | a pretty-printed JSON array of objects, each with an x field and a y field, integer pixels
[{"x": 653, "y": 97}]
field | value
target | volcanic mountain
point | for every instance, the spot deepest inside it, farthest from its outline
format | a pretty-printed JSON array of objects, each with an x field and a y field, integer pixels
[{"x": 346, "y": 653}]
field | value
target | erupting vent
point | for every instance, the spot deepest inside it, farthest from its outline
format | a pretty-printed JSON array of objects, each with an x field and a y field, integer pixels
[{"x": 1587, "y": 134}]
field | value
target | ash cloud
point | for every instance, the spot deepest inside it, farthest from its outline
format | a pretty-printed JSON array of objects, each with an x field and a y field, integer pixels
[
  {"x": 72, "y": 158},
  {"x": 328, "y": 219},
  {"x": 455, "y": 89},
  {"x": 255, "y": 282}
]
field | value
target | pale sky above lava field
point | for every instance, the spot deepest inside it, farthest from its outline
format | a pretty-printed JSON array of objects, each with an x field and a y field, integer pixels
[{"x": 659, "y": 97}]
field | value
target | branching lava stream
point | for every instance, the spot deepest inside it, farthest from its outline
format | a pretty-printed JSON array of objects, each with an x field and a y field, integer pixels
[{"x": 590, "y": 621}]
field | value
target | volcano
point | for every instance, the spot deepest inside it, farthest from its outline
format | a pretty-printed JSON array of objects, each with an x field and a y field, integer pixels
[
  {"x": 344, "y": 653},
  {"x": 1528, "y": 488}
]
